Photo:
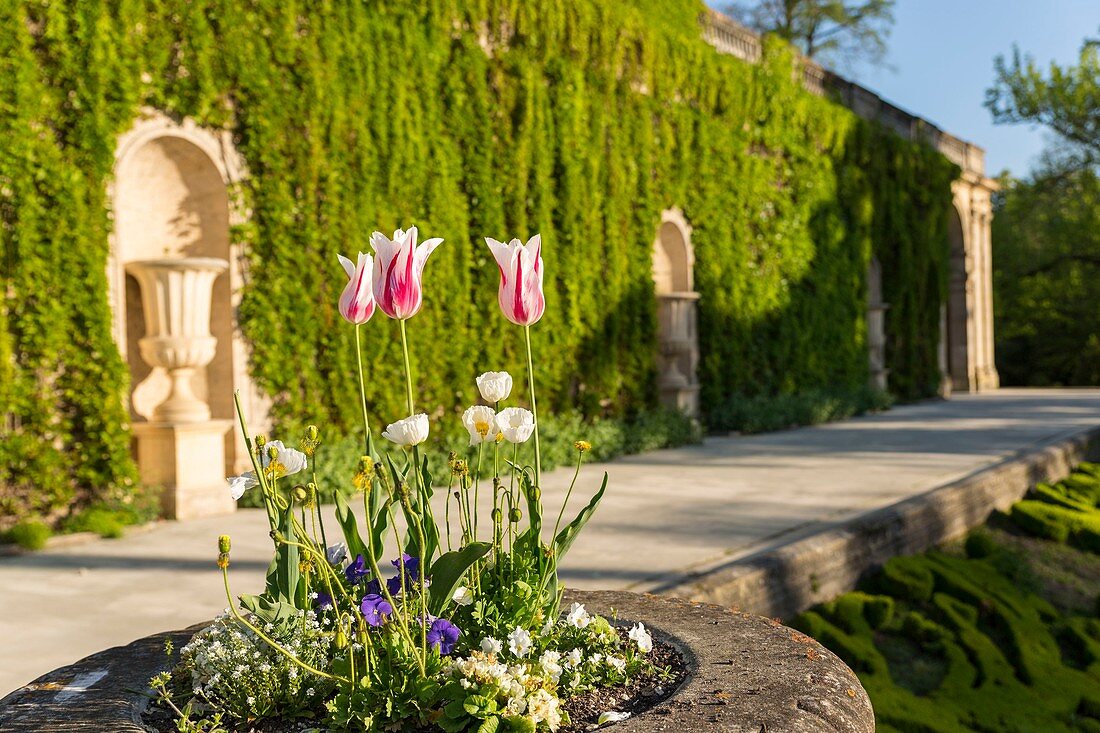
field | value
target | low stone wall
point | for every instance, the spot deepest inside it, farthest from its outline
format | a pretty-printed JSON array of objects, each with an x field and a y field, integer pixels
[
  {"x": 745, "y": 674},
  {"x": 785, "y": 581}
]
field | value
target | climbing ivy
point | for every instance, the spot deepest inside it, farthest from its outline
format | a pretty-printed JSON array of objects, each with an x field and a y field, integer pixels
[{"x": 581, "y": 119}]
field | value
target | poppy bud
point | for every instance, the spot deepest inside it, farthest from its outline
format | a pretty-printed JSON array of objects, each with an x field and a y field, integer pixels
[
  {"x": 514, "y": 515},
  {"x": 497, "y": 515},
  {"x": 300, "y": 493}
]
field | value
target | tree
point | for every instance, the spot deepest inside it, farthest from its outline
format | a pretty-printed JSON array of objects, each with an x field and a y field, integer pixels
[
  {"x": 1066, "y": 100},
  {"x": 1046, "y": 228},
  {"x": 831, "y": 31}
]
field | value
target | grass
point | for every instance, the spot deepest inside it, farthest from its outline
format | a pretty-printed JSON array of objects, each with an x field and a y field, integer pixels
[{"x": 997, "y": 633}]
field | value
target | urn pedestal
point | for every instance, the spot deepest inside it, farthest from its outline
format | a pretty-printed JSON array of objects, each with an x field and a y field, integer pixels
[{"x": 181, "y": 449}]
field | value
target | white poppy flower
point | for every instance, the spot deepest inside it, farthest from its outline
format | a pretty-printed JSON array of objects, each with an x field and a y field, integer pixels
[
  {"x": 494, "y": 386},
  {"x": 516, "y": 424},
  {"x": 410, "y": 431},
  {"x": 292, "y": 461},
  {"x": 462, "y": 596},
  {"x": 577, "y": 616},
  {"x": 478, "y": 421},
  {"x": 641, "y": 637},
  {"x": 240, "y": 484},
  {"x": 519, "y": 642}
]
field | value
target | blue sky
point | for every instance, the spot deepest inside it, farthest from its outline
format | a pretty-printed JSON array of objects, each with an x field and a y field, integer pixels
[{"x": 942, "y": 52}]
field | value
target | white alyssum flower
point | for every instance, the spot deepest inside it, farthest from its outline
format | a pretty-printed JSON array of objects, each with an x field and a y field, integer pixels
[
  {"x": 577, "y": 616},
  {"x": 410, "y": 431},
  {"x": 641, "y": 637},
  {"x": 489, "y": 645},
  {"x": 462, "y": 596},
  {"x": 494, "y": 386},
  {"x": 286, "y": 462},
  {"x": 516, "y": 424},
  {"x": 519, "y": 642},
  {"x": 478, "y": 421}
]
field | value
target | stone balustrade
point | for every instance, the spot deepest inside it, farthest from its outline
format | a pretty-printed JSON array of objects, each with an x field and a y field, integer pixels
[{"x": 730, "y": 37}]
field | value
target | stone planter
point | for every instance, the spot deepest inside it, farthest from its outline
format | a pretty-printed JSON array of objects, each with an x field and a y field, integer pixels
[{"x": 746, "y": 674}]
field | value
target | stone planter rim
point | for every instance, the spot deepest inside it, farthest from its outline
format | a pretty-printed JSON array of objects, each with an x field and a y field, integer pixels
[{"x": 745, "y": 674}]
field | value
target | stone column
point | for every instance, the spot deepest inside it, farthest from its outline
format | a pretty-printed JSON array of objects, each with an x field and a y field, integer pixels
[
  {"x": 987, "y": 377},
  {"x": 181, "y": 449},
  {"x": 677, "y": 380},
  {"x": 876, "y": 327}
]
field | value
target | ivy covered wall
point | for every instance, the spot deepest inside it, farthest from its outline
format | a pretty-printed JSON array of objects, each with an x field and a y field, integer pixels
[{"x": 582, "y": 119}]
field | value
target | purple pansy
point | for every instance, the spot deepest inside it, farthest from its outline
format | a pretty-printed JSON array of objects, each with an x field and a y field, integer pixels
[
  {"x": 373, "y": 588},
  {"x": 412, "y": 565},
  {"x": 443, "y": 635},
  {"x": 323, "y": 600},
  {"x": 375, "y": 609},
  {"x": 356, "y": 571}
]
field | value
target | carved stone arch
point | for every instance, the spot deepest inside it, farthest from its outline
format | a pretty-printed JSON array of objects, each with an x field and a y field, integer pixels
[
  {"x": 173, "y": 195},
  {"x": 677, "y": 333}
]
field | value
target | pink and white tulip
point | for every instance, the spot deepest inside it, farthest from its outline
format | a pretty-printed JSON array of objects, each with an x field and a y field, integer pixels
[
  {"x": 520, "y": 294},
  {"x": 398, "y": 270},
  {"x": 357, "y": 300}
]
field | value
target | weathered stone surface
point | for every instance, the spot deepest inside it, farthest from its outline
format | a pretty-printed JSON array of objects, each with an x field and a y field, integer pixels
[
  {"x": 787, "y": 580},
  {"x": 746, "y": 674}
]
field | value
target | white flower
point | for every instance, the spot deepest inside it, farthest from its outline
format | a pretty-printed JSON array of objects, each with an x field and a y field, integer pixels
[
  {"x": 617, "y": 662},
  {"x": 516, "y": 705},
  {"x": 489, "y": 645},
  {"x": 611, "y": 717},
  {"x": 516, "y": 424},
  {"x": 641, "y": 637},
  {"x": 549, "y": 661},
  {"x": 462, "y": 596},
  {"x": 239, "y": 484},
  {"x": 410, "y": 431},
  {"x": 337, "y": 553},
  {"x": 519, "y": 642},
  {"x": 577, "y": 616},
  {"x": 478, "y": 421},
  {"x": 542, "y": 707},
  {"x": 494, "y": 386},
  {"x": 574, "y": 658}
]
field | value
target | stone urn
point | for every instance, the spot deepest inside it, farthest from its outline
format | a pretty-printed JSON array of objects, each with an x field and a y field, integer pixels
[
  {"x": 745, "y": 674},
  {"x": 175, "y": 298},
  {"x": 181, "y": 449},
  {"x": 678, "y": 342}
]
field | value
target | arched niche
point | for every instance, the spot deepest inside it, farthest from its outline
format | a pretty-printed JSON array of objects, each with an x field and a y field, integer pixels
[
  {"x": 957, "y": 320},
  {"x": 171, "y": 196},
  {"x": 677, "y": 335}
]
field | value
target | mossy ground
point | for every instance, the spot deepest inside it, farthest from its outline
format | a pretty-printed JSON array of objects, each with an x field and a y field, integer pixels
[{"x": 999, "y": 633}]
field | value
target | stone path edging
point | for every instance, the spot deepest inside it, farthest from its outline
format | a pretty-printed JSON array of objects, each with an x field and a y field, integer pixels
[{"x": 783, "y": 581}]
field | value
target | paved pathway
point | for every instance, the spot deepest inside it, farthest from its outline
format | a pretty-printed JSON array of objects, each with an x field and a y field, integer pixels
[{"x": 664, "y": 513}]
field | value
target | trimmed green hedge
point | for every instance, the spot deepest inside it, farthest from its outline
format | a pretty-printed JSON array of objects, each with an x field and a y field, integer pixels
[
  {"x": 582, "y": 119},
  {"x": 1004, "y": 638}
]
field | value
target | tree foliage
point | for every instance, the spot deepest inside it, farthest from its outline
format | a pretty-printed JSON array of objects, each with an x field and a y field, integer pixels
[
  {"x": 1064, "y": 99},
  {"x": 581, "y": 119},
  {"x": 832, "y": 31}
]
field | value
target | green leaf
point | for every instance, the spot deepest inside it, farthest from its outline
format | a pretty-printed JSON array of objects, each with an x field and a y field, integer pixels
[
  {"x": 283, "y": 574},
  {"x": 489, "y": 725},
  {"x": 281, "y": 615},
  {"x": 447, "y": 573},
  {"x": 520, "y": 724},
  {"x": 569, "y": 533},
  {"x": 379, "y": 526},
  {"x": 350, "y": 526}
]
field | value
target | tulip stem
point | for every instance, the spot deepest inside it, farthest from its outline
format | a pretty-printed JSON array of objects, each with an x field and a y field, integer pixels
[
  {"x": 534, "y": 405},
  {"x": 363, "y": 391},
  {"x": 408, "y": 367}
]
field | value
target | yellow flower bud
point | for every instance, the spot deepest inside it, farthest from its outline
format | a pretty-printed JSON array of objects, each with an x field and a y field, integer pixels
[
  {"x": 582, "y": 446},
  {"x": 312, "y": 432},
  {"x": 223, "y": 543}
]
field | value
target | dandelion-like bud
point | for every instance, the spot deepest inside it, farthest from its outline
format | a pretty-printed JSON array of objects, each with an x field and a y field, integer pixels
[
  {"x": 223, "y": 560},
  {"x": 305, "y": 566},
  {"x": 582, "y": 446},
  {"x": 261, "y": 441},
  {"x": 310, "y": 442},
  {"x": 273, "y": 453},
  {"x": 514, "y": 515},
  {"x": 363, "y": 473},
  {"x": 223, "y": 543},
  {"x": 312, "y": 432}
]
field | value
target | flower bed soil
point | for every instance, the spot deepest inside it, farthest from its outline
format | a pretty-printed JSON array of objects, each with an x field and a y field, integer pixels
[{"x": 741, "y": 673}]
